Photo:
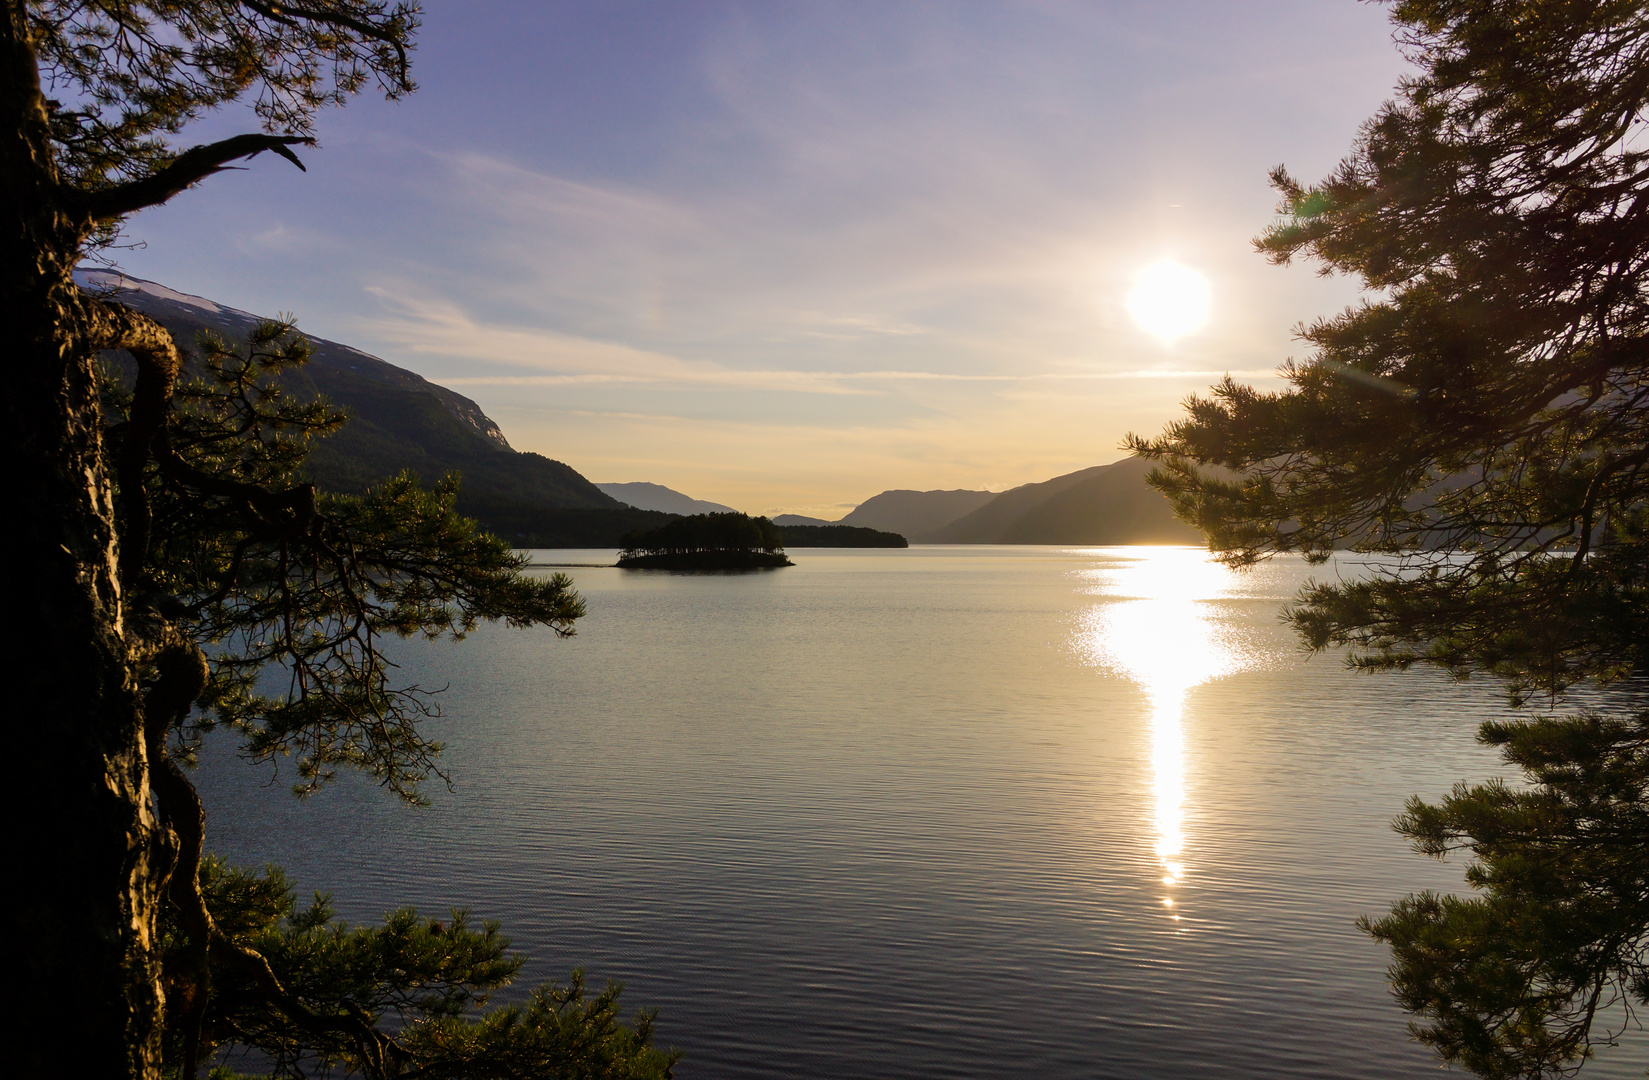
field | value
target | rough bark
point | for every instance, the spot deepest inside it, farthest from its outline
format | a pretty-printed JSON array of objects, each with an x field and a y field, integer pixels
[{"x": 89, "y": 857}]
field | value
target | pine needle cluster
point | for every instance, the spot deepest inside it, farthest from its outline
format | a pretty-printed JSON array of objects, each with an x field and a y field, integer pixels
[{"x": 1479, "y": 426}]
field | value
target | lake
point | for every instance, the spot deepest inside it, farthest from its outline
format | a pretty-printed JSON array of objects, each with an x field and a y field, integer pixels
[{"x": 937, "y": 812}]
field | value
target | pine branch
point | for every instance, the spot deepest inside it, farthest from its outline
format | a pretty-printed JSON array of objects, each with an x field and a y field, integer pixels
[
  {"x": 289, "y": 15},
  {"x": 188, "y": 169}
]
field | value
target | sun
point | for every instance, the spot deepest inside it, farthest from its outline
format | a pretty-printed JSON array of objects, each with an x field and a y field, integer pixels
[{"x": 1169, "y": 300}]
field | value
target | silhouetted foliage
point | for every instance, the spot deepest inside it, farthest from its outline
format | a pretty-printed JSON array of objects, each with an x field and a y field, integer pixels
[
  {"x": 170, "y": 554},
  {"x": 1481, "y": 420},
  {"x": 92, "y": 99},
  {"x": 426, "y": 979},
  {"x": 706, "y": 532},
  {"x": 706, "y": 542},
  {"x": 274, "y": 579},
  {"x": 1510, "y": 983},
  {"x": 274, "y": 576}
]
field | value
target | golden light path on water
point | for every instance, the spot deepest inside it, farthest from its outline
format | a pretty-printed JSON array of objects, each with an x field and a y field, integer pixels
[{"x": 1160, "y": 628}]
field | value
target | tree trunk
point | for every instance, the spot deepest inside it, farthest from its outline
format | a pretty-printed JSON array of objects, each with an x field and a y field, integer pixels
[{"x": 88, "y": 860}]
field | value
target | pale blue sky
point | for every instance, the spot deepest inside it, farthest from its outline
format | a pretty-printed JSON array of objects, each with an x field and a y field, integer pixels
[{"x": 787, "y": 255}]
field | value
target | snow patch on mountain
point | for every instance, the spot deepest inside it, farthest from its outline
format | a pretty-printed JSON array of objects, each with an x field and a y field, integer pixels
[{"x": 113, "y": 281}]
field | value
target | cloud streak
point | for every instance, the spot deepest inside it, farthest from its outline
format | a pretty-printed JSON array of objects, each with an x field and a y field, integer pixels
[
  {"x": 804, "y": 379},
  {"x": 819, "y": 255}
]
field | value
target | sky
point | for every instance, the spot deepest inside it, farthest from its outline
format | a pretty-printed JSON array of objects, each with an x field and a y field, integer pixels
[{"x": 786, "y": 255}]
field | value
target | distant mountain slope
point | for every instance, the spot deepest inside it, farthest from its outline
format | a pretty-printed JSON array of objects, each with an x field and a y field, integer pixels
[
  {"x": 1114, "y": 506},
  {"x": 1107, "y": 504},
  {"x": 911, "y": 513},
  {"x": 784, "y": 520},
  {"x": 399, "y": 419},
  {"x": 644, "y": 496},
  {"x": 989, "y": 522},
  {"x": 528, "y": 526}
]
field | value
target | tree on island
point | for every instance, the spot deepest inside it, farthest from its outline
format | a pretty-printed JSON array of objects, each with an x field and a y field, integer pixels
[
  {"x": 166, "y": 553},
  {"x": 1482, "y": 421},
  {"x": 728, "y": 541}
]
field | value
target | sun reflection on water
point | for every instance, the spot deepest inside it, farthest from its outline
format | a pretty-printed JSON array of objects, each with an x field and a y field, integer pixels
[{"x": 1160, "y": 629}]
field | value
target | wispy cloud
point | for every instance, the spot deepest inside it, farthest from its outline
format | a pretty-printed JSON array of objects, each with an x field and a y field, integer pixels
[
  {"x": 439, "y": 328},
  {"x": 824, "y": 379},
  {"x": 444, "y": 329},
  {"x": 770, "y": 255}
]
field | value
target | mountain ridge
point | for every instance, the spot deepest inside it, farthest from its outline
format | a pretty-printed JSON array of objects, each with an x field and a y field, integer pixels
[
  {"x": 645, "y": 496},
  {"x": 1101, "y": 505},
  {"x": 399, "y": 419},
  {"x": 910, "y": 513}
]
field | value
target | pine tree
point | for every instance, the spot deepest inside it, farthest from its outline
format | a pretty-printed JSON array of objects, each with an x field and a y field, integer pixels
[
  {"x": 425, "y": 977},
  {"x": 255, "y": 572},
  {"x": 1480, "y": 422},
  {"x": 165, "y": 550}
]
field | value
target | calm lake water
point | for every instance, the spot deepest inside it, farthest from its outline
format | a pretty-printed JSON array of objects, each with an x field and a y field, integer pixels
[{"x": 941, "y": 812}]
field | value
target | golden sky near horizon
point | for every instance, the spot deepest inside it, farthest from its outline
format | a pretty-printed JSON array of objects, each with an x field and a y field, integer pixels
[{"x": 783, "y": 258}]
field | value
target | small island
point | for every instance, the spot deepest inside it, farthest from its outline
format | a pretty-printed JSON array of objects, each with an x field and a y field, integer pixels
[{"x": 729, "y": 541}]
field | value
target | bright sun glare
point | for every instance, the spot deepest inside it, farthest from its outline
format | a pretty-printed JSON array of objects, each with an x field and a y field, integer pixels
[
  {"x": 1169, "y": 300},
  {"x": 1161, "y": 630}
]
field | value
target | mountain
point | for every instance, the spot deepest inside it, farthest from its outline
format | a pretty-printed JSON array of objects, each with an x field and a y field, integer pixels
[
  {"x": 644, "y": 496},
  {"x": 912, "y": 513},
  {"x": 987, "y": 523},
  {"x": 400, "y": 420},
  {"x": 1107, "y": 504}
]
